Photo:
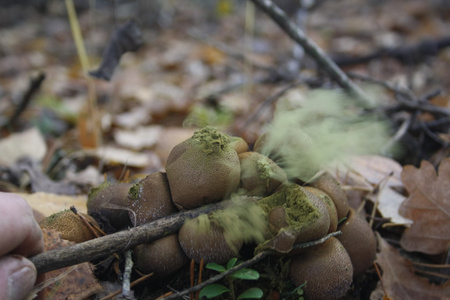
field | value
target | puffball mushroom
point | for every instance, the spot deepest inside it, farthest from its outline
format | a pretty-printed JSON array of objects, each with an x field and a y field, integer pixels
[
  {"x": 204, "y": 238},
  {"x": 150, "y": 199},
  {"x": 162, "y": 257},
  {"x": 359, "y": 240},
  {"x": 326, "y": 269},
  {"x": 70, "y": 225},
  {"x": 203, "y": 169},
  {"x": 108, "y": 205},
  {"x": 328, "y": 184},
  {"x": 330, "y": 206},
  {"x": 260, "y": 176},
  {"x": 295, "y": 215}
]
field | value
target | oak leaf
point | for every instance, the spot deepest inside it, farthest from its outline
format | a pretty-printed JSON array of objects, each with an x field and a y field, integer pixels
[
  {"x": 399, "y": 280},
  {"x": 428, "y": 205}
]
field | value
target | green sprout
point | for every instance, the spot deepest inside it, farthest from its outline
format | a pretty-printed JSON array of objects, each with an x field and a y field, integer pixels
[{"x": 214, "y": 290}]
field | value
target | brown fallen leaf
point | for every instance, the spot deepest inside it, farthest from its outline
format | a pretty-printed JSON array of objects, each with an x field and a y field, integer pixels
[
  {"x": 399, "y": 279},
  {"x": 75, "y": 282},
  {"x": 428, "y": 205}
]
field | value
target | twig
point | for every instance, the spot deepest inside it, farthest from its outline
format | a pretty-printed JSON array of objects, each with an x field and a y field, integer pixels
[
  {"x": 118, "y": 242},
  {"x": 247, "y": 263},
  {"x": 139, "y": 280},
  {"x": 312, "y": 49},
  {"x": 408, "y": 54},
  {"x": 33, "y": 87},
  {"x": 126, "y": 292}
]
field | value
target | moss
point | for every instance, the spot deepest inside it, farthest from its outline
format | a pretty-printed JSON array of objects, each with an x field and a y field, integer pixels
[
  {"x": 95, "y": 190},
  {"x": 135, "y": 191},
  {"x": 210, "y": 140},
  {"x": 299, "y": 209}
]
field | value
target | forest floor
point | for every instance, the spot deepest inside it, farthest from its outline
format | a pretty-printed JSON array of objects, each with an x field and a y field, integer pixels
[{"x": 227, "y": 64}]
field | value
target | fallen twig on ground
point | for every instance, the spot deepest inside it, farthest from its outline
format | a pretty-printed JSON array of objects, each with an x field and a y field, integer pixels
[
  {"x": 312, "y": 49},
  {"x": 119, "y": 241}
]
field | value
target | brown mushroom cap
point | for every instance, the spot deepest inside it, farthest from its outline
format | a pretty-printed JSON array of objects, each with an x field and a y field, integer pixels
[
  {"x": 239, "y": 144},
  {"x": 328, "y": 184},
  {"x": 260, "y": 176},
  {"x": 71, "y": 227},
  {"x": 162, "y": 257},
  {"x": 150, "y": 199},
  {"x": 203, "y": 238},
  {"x": 203, "y": 169},
  {"x": 108, "y": 205},
  {"x": 295, "y": 215},
  {"x": 359, "y": 240},
  {"x": 326, "y": 269},
  {"x": 330, "y": 206}
]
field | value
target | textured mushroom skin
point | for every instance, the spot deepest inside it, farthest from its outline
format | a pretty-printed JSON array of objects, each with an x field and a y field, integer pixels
[
  {"x": 203, "y": 169},
  {"x": 326, "y": 268},
  {"x": 260, "y": 176},
  {"x": 199, "y": 238},
  {"x": 359, "y": 240},
  {"x": 108, "y": 204},
  {"x": 328, "y": 184},
  {"x": 162, "y": 257},
  {"x": 71, "y": 227},
  {"x": 150, "y": 199}
]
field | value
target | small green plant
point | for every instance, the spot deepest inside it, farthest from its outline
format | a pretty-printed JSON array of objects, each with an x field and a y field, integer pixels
[{"x": 214, "y": 290}]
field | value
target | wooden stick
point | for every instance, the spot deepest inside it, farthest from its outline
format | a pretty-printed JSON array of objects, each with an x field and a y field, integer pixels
[
  {"x": 324, "y": 61},
  {"x": 119, "y": 241}
]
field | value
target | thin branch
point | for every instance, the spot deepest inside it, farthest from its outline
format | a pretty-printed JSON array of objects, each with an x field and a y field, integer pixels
[
  {"x": 312, "y": 49},
  {"x": 119, "y": 241}
]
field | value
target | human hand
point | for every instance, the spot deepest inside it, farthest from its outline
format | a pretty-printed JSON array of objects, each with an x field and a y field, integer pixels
[{"x": 20, "y": 237}]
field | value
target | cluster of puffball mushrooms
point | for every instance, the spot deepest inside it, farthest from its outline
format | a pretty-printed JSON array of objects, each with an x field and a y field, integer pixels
[{"x": 271, "y": 210}]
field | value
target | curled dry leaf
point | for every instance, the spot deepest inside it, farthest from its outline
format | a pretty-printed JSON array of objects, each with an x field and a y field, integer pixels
[
  {"x": 428, "y": 205},
  {"x": 399, "y": 279}
]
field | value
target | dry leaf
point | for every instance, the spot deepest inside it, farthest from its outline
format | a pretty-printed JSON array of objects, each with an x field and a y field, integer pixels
[
  {"x": 48, "y": 204},
  {"x": 75, "y": 282},
  {"x": 399, "y": 279},
  {"x": 18, "y": 145},
  {"x": 375, "y": 169},
  {"x": 114, "y": 155},
  {"x": 428, "y": 205},
  {"x": 141, "y": 137}
]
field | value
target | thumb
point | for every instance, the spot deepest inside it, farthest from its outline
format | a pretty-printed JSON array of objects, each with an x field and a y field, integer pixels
[{"x": 17, "y": 277}]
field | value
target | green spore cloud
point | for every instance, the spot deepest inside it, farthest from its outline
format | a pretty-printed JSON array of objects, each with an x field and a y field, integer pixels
[{"x": 327, "y": 129}]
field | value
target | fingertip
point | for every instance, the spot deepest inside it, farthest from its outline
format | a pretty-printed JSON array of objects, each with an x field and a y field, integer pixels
[{"x": 17, "y": 277}]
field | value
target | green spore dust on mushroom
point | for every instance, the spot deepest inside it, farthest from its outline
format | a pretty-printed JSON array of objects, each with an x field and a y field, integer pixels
[
  {"x": 299, "y": 209},
  {"x": 211, "y": 140},
  {"x": 242, "y": 220}
]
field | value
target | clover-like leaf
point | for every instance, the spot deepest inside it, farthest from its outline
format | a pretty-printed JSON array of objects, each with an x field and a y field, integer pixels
[
  {"x": 213, "y": 290},
  {"x": 216, "y": 267},
  {"x": 248, "y": 274},
  {"x": 231, "y": 263},
  {"x": 251, "y": 293}
]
